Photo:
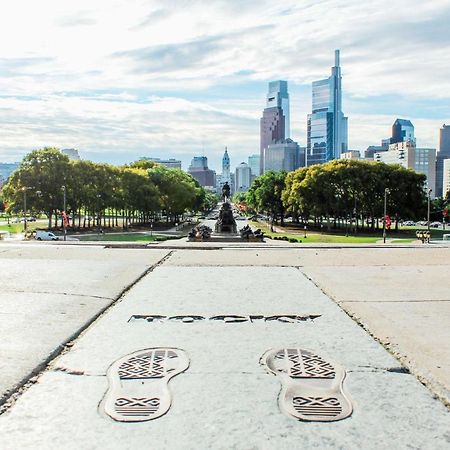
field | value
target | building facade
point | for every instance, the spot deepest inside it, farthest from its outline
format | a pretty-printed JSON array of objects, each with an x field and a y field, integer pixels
[
  {"x": 327, "y": 128},
  {"x": 445, "y": 177},
  {"x": 442, "y": 154},
  {"x": 199, "y": 170},
  {"x": 402, "y": 131},
  {"x": 275, "y": 121},
  {"x": 351, "y": 154},
  {"x": 286, "y": 155},
  {"x": 243, "y": 176},
  {"x": 72, "y": 153},
  {"x": 278, "y": 97},
  {"x": 170, "y": 163},
  {"x": 421, "y": 160},
  {"x": 255, "y": 166}
]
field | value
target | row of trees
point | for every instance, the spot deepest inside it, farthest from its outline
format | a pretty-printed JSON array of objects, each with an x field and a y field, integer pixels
[
  {"x": 333, "y": 193},
  {"x": 136, "y": 193}
]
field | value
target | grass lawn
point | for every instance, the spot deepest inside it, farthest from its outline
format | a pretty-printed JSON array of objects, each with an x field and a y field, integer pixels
[
  {"x": 315, "y": 237},
  {"x": 14, "y": 228}
]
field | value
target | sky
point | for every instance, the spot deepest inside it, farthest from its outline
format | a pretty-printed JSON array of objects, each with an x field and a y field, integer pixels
[{"x": 122, "y": 79}]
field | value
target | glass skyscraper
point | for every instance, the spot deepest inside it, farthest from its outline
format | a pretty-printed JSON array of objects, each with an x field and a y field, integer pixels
[
  {"x": 327, "y": 134},
  {"x": 275, "y": 126},
  {"x": 442, "y": 154},
  {"x": 402, "y": 131},
  {"x": 278, "y": 97}
]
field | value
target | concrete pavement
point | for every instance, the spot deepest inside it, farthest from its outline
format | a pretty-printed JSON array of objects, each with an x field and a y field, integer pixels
[
  {"x": 225, "y": 399},
  {"x": 50, "y": 293}
]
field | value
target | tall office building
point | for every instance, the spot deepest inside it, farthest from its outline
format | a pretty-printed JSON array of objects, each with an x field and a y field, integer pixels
[
  {"x": 199, "y": 170},
  {"x": 254, "y": 163},
  {"x": 243, "y": 177},
  {"x": 275, "y": 124},
  {"x": 327, "y": 125},
  {"x": 442, "y": 154},
  {"x": 445, "y": 177},
  {"x": 402, "y": 131},
  {"x": 278, "y": 97},
  {"x": 286, "y": 155}
]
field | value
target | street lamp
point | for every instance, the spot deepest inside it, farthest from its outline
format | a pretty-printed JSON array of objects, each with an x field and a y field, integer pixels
[
  {"x": 428, "y": 211},
  {"x": 386, "y": 192},
  {"x": 24, "y": 190},
  {"x": 64, "y": 212}
]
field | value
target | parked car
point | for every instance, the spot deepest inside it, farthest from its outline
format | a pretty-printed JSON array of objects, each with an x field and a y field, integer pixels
[
  {"x": 409, "y": 223},
  {"x": 42, "y": 235},
  {"x": 435, "y": 224}
]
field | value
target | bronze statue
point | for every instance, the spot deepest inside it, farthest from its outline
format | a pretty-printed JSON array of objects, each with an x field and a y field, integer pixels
[
  {"x": 226, "y": 192},
  {"x": 226, "y": 222}
]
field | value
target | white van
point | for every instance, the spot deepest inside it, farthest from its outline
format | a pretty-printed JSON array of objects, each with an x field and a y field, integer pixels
[{"x": 45, "y": 236}]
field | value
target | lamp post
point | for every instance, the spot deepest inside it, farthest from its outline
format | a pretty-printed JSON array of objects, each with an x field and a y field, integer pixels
[
  {"x": 24, "y": 190},
  {"x": 64, "y": 212},
  {"x": 428, "y": 210},
  {"x": 386, "y": 192}
]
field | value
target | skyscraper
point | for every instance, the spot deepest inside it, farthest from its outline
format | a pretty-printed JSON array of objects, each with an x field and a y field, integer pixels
[
  {"x": 255, "y": 167},
  {"x": 243, "y": 177},
  {"x": 278, "y": 97},
  {"x": 285, "y": 155},
  {"x": 199, "y": 170},
  {"x": 443, "y": 153},
  {"x": 275, "y": 125},
  {"x": 327, "y": 125},
  {"x": 402, "y": 131}
]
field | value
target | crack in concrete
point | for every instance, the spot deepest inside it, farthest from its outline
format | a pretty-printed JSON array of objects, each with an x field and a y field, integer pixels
[
  {"x": 78, "y": 373},
  {"x": 59, "y": 293},
  {"x": 8, "y": 399},
  {"x": 365, "y": 369},
  {"x": 390, "y": 301},
  {"x": 438, "y": 391}
]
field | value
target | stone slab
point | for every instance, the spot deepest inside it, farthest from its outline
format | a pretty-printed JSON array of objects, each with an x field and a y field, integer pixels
[
  {"x": 384, "y": 284},
  {"x": 51, "y": 292},
  {"x": 407, "y": 308},
  {"x": 295, "y": 255},
  {"x": 225, "y": 399},
  {"x": 416, "y": 331}
]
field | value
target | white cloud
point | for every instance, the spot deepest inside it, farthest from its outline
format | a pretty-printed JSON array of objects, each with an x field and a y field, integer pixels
[{"x": 113, "y": 74}]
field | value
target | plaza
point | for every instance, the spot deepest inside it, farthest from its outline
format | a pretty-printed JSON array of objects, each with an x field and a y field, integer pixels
[{"x": 70, "y": 311}]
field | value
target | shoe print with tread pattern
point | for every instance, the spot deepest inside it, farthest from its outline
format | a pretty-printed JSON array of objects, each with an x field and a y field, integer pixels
[
  {"x": 138, "y": 384},
  {"x": 312, "y": 387}
]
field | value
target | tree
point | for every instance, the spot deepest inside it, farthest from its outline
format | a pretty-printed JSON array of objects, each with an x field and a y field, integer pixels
[
  {"x": 42, "y": 173},
  {"x": 343, "y": 189},
  {"x": 265, "y": 195}
]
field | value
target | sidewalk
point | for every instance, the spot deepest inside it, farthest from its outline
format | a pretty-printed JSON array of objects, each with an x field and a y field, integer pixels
[{"x": 225, "y": 399}]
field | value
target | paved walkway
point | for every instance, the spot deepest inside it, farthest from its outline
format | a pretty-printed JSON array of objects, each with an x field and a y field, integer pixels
[{"x": 225, "y": 399}]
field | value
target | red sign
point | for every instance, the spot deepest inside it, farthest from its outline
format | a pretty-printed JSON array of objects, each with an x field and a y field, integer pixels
[
  {"x": 388, "y": 222},
  {"x": 445, "y": 212},
  {"x": 65, "y": 219}
]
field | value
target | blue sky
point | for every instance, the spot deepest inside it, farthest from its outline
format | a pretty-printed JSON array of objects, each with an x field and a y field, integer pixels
[{"x": 121, "y": 79}]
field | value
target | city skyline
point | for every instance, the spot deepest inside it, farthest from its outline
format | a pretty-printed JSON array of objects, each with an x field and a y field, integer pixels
[{"x": 120, "y": 81}]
